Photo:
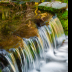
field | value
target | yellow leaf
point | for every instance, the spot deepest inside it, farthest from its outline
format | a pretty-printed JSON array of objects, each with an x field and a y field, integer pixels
[
  {"x": 36, "y": 3},
  {"x": 43, "y": 15}
]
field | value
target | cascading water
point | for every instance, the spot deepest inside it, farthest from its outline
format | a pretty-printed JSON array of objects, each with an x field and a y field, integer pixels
[{"x": 33, "y": 54}]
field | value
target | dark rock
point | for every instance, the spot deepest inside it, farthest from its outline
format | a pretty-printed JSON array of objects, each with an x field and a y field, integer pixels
[{"x": 38, "y": 22}]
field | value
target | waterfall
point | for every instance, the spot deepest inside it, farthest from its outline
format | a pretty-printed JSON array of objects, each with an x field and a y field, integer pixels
[{"x": 34, "y": 49}]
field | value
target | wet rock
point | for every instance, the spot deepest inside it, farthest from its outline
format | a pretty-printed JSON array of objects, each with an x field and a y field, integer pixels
[
  {"x": 55, "y": 5},
  {"x": 3, "y": 61},
  {"x": 38, "y": 21},
  {"x": 42, "y": 19},
  {"x": 1, "y": 47},
  {"x": 1, "y": 65}
]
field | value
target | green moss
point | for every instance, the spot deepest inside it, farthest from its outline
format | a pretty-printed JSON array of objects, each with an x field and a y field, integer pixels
[
  {"x": 64, "y": 20},
  {"x": 63, "y": 15},
  {"x": 66, "y": 1},
  {"x": 65, "y": 25}
]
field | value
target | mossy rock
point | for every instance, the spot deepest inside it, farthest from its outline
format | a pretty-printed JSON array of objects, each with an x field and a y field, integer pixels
[
  {"x": 53, "y": 6},
  {"x": 51, "y": 10}
]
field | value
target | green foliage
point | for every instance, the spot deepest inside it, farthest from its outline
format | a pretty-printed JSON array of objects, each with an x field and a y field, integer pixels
[
  {"x": 65, "y": 15},
  {"x": 66, "y": 1},
  {"x": 64, "y": 20},
  {"x": 65, "y": 25},
  {"x": 0, "y": 70}
]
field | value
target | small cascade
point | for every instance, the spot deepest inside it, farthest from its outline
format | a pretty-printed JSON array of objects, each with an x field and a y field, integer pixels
[
  {"x": 57, "y": 31},
  {"x": 30, "y": 57}
]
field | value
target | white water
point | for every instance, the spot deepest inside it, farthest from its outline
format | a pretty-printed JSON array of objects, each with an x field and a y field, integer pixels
[
  {"x": 55, "y": 62},
  {"x": 46, "y": 53}
]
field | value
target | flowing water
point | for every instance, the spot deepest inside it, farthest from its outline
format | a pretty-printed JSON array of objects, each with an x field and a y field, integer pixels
[{"x": 39, "y": 54}]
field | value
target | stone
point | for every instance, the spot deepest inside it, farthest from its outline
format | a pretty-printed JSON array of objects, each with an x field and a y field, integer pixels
[{"x": 55, "y": 5}]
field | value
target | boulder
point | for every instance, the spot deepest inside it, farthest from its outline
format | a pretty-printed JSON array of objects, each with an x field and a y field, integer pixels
[{"x": 54, "y": 5}]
